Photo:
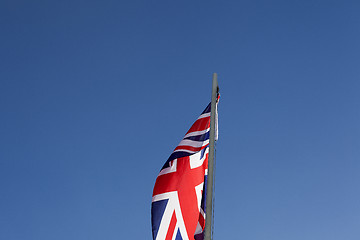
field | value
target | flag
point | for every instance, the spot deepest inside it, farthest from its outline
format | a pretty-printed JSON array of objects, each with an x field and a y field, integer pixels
[{"x": 178, "y": 202}]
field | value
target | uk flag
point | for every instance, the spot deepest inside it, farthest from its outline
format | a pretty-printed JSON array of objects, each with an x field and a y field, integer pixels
[{"x": 178, "y": 204}]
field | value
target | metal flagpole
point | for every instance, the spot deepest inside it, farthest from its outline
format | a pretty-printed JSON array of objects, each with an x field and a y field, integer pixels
[{"x": 210, "y": 176}]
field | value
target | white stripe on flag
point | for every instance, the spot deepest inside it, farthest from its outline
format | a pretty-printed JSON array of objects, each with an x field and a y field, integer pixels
[{"x": 197, "y": 133}]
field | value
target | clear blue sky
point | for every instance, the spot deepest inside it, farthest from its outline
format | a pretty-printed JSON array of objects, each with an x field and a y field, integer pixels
[{"x": 95, "y": 95}]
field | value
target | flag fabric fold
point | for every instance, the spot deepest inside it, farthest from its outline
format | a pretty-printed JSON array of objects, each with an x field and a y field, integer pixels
[{"x": 178, "y": 208}]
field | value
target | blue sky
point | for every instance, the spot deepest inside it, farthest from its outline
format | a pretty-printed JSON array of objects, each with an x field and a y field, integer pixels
[{"x": 95, "y": 95}]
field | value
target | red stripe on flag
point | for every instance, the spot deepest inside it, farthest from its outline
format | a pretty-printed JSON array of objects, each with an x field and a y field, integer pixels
[
  {"x": 200, "y": 125},
  {"x": 195, "y": 149},
  {"x": 170, "y": 231},
  {"x": 201, "y": 220}
]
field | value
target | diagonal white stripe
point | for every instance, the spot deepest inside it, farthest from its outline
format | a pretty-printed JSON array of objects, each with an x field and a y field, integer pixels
[
  {"x": 192, "y": 143},
  {"x": 197, "y": 133},
  {"x": 204, "y": 115}
]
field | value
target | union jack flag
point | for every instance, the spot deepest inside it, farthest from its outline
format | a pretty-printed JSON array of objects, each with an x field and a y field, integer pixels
[{"x": 178, "y": 202}]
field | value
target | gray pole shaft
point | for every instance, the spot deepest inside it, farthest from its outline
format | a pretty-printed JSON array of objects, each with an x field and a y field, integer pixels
[{"x": 210, "y": 177}]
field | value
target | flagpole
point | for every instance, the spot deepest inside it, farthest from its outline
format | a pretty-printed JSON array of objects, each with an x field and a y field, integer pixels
[{"x": 210, "y": 176}]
